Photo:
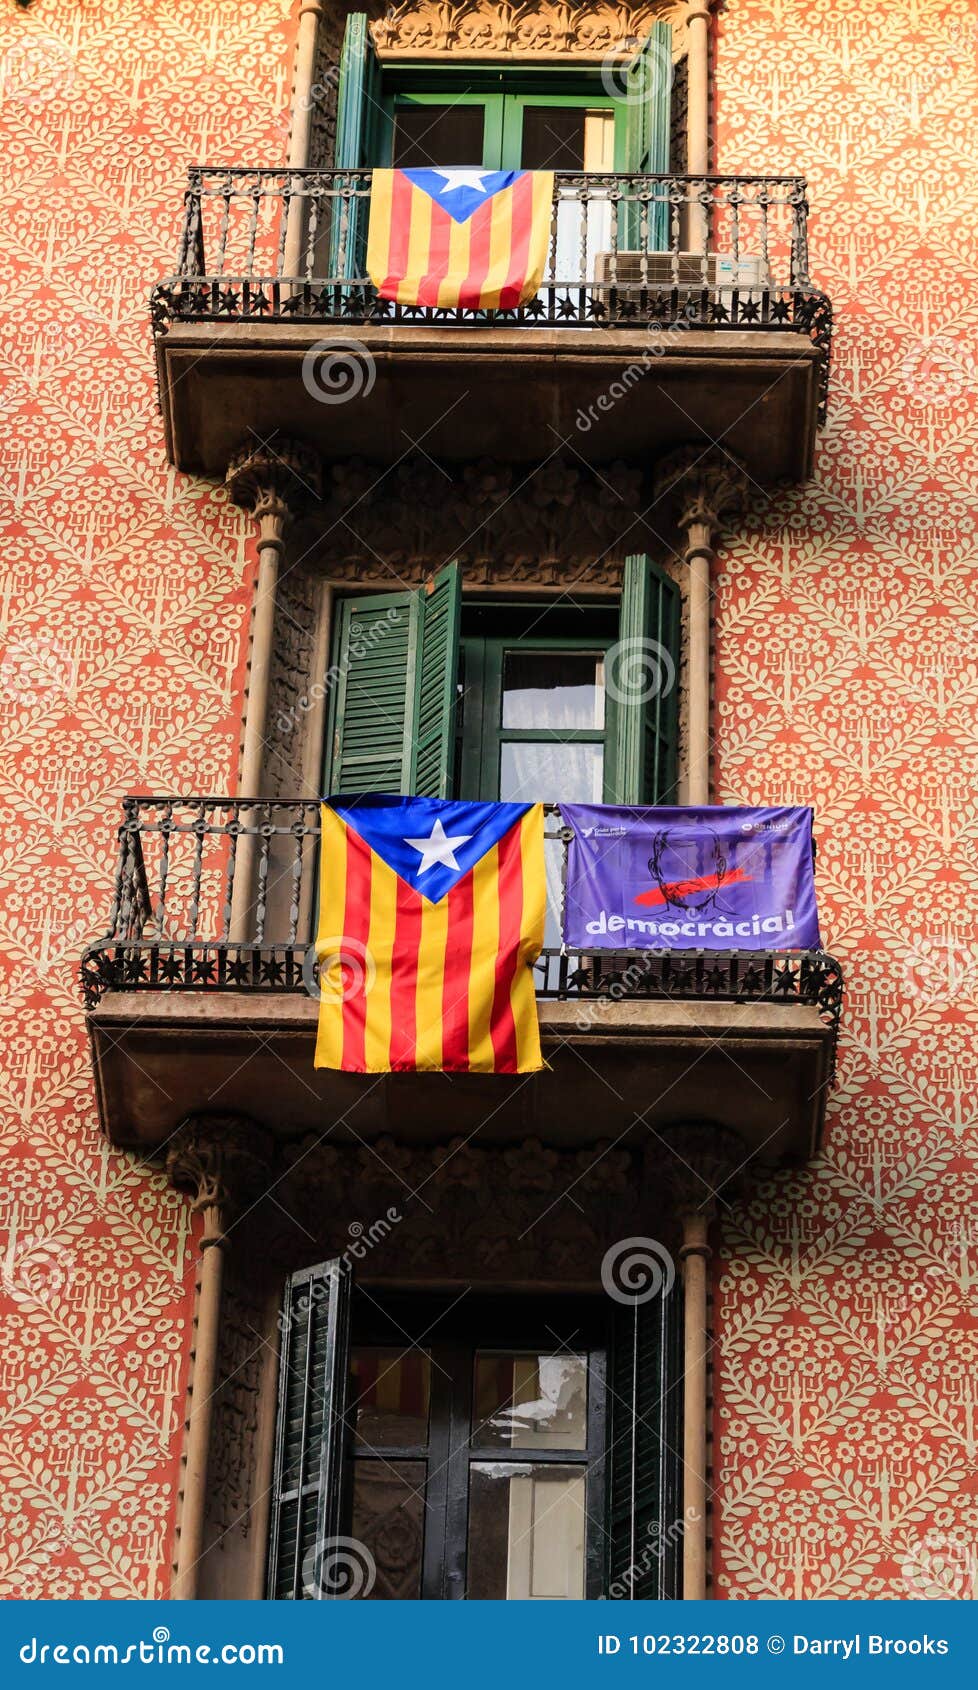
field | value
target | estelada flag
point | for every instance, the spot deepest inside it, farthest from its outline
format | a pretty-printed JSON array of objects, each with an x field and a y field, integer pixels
[
  {"x": 475, "y": 239},
  {"x": 431, "y": 915}
]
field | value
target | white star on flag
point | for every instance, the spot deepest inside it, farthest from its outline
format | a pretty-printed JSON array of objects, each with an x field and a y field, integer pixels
[
  {"x": 455, "y": 179},
  {"x": 438, "y": 848}
]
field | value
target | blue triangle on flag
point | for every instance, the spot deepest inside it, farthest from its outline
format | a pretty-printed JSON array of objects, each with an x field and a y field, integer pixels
[
  {"x": 430, "y": 842},
  {"x": 463, "y": 189}
]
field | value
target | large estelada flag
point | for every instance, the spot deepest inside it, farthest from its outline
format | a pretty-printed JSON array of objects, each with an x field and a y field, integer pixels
[
  {"x": 473, "y": 239},
  {"x": 431, "y": 915}
]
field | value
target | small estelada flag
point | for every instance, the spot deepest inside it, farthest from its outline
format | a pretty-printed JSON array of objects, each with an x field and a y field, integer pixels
[
  {"x": 431, "y": 915},
  {"x": 473, "y": 239}
]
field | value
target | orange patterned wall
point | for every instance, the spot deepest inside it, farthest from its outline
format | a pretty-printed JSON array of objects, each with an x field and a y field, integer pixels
[
  {"x": 847, "y": 1307},
  {"x": 122, "y": 629}
]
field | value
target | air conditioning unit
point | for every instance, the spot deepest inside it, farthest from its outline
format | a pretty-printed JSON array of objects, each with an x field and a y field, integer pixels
[{"x": 661, "y": 271}]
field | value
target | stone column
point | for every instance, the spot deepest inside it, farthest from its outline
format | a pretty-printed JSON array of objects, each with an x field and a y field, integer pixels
[
  {"x": 272, "y": 483},
  {"x": 698, "y": 21},
  {"x": 702, "y": 1160},
  {"x": 222, "y": 1163},
  {"x": 706, "y": 488},
  {"x": 300, "y": 138}
]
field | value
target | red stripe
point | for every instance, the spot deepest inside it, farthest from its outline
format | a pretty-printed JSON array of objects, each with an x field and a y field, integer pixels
[
  {"x": 455, "y": 991},
  {"x": 520, "y": 242},
  {"x": 404, "y": 978},
  {"x": 480, "y": 233},
  {"x": 438, "y": 255},
  {"x": 503, "y": 1026},
  {"x": 356, "y": 927},
  {"x": 399, "y": 239}
]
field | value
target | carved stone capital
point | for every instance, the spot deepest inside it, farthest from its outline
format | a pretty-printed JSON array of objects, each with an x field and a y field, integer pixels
[
  {"x": 220, "y": 1161},
  {"x": 700, "y": 1161},
  {"x": 703, "y": 487},
  {"x": 274, "y": 480}
]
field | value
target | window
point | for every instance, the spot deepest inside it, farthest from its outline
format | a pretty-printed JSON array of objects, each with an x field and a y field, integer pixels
[
  {"x": 488, "y": 1459},
  {"x": 550, "y": 707}
]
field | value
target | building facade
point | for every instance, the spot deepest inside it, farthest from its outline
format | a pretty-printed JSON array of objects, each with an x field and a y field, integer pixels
[{"x": 695, "y": 527}]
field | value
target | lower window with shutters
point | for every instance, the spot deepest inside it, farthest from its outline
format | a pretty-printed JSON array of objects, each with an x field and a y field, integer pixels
[{"x": 516, "y": 1448}]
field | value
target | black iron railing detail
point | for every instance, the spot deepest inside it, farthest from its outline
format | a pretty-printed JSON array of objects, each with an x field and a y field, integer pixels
[
  {"x": 662, "y": 251},
  {"x": 217, "y": 895}
]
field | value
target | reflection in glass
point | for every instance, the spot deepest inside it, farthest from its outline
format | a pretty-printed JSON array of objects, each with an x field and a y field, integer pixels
[
  {"x": 388, "y": 1519},
  {"x": 530, "y": 1401},
  {"x": 541, "y": 772},
  {"x": 553, "y": 689},
  {"x": 526, "y": 1533},
  {"x": 390, "y": 1398}
]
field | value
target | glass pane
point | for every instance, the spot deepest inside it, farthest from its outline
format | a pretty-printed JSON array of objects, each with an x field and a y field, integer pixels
[
  {"x": 526, "y": 1533},
  {"x": 553, "y": 138},
  {"x": 388, "y": 1519},
  {"x": 529, "y": 1401},
  {"x": 436, "y": 135},
  {"x": 553, "y": 689},
  {"x": 545, "y": 773},
  {"x": 390, "y": 1398}
]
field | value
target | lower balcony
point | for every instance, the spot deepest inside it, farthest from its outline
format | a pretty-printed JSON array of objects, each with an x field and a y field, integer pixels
[
  {"x": 202, "y": 998},
  {"x": 672, "y": 307}
]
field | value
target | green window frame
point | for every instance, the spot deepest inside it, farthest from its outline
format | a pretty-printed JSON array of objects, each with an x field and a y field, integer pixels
[{"x": 504, "y": 114}]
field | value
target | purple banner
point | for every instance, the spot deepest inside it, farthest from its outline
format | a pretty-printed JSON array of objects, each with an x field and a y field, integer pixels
[{"x": 726, "y": 878}]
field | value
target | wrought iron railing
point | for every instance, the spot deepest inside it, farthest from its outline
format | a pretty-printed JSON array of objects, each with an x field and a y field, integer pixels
[
  {"x": 218, "y": 895},
  {"x": 666, "y": 251}
]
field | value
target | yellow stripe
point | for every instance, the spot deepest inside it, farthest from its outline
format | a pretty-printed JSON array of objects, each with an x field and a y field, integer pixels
[
  {"x": 332, "y": 913},
  {"x": 482, "y": 973},
  {"x": 539, "y": 248},
  {"x": 522, "y": 995},
  {"x": 419, "y": 247},
  {"x": 380, "y": 948},
  {"x": 379, "y": 228},
  {"x": 459, "y": 259},
  {"x": 500, "y": 250},
  {"x": 431, "y": 983}
]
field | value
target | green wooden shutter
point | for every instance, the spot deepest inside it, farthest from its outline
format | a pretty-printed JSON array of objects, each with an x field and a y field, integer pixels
[
  {"x": 645, "y": 1454},
  {"x": 308, "y": 1489},
  {"x": 394, "y": 680},
  {"x": 359, "y": 125},
  {"x": 647, "y": 127},
  {"x": 644, "y": 686}
]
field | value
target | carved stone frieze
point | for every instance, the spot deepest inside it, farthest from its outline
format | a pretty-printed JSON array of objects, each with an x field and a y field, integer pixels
[
  {"x": 702, "y": 486},
  {"x": 522, "y": 1213},
  {"x": 525, "y": 29},
  {"x": 700, "y": 1163},
  {"x": 219, "y": 1161},
  {"x": 274, "y": 479},
  {"x": 559, "y": 524}
]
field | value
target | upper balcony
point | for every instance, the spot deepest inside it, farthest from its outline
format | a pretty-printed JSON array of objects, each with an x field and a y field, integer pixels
[
  {"x": 673, "y": 306},
  {"x": 202, "y": 997}
]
